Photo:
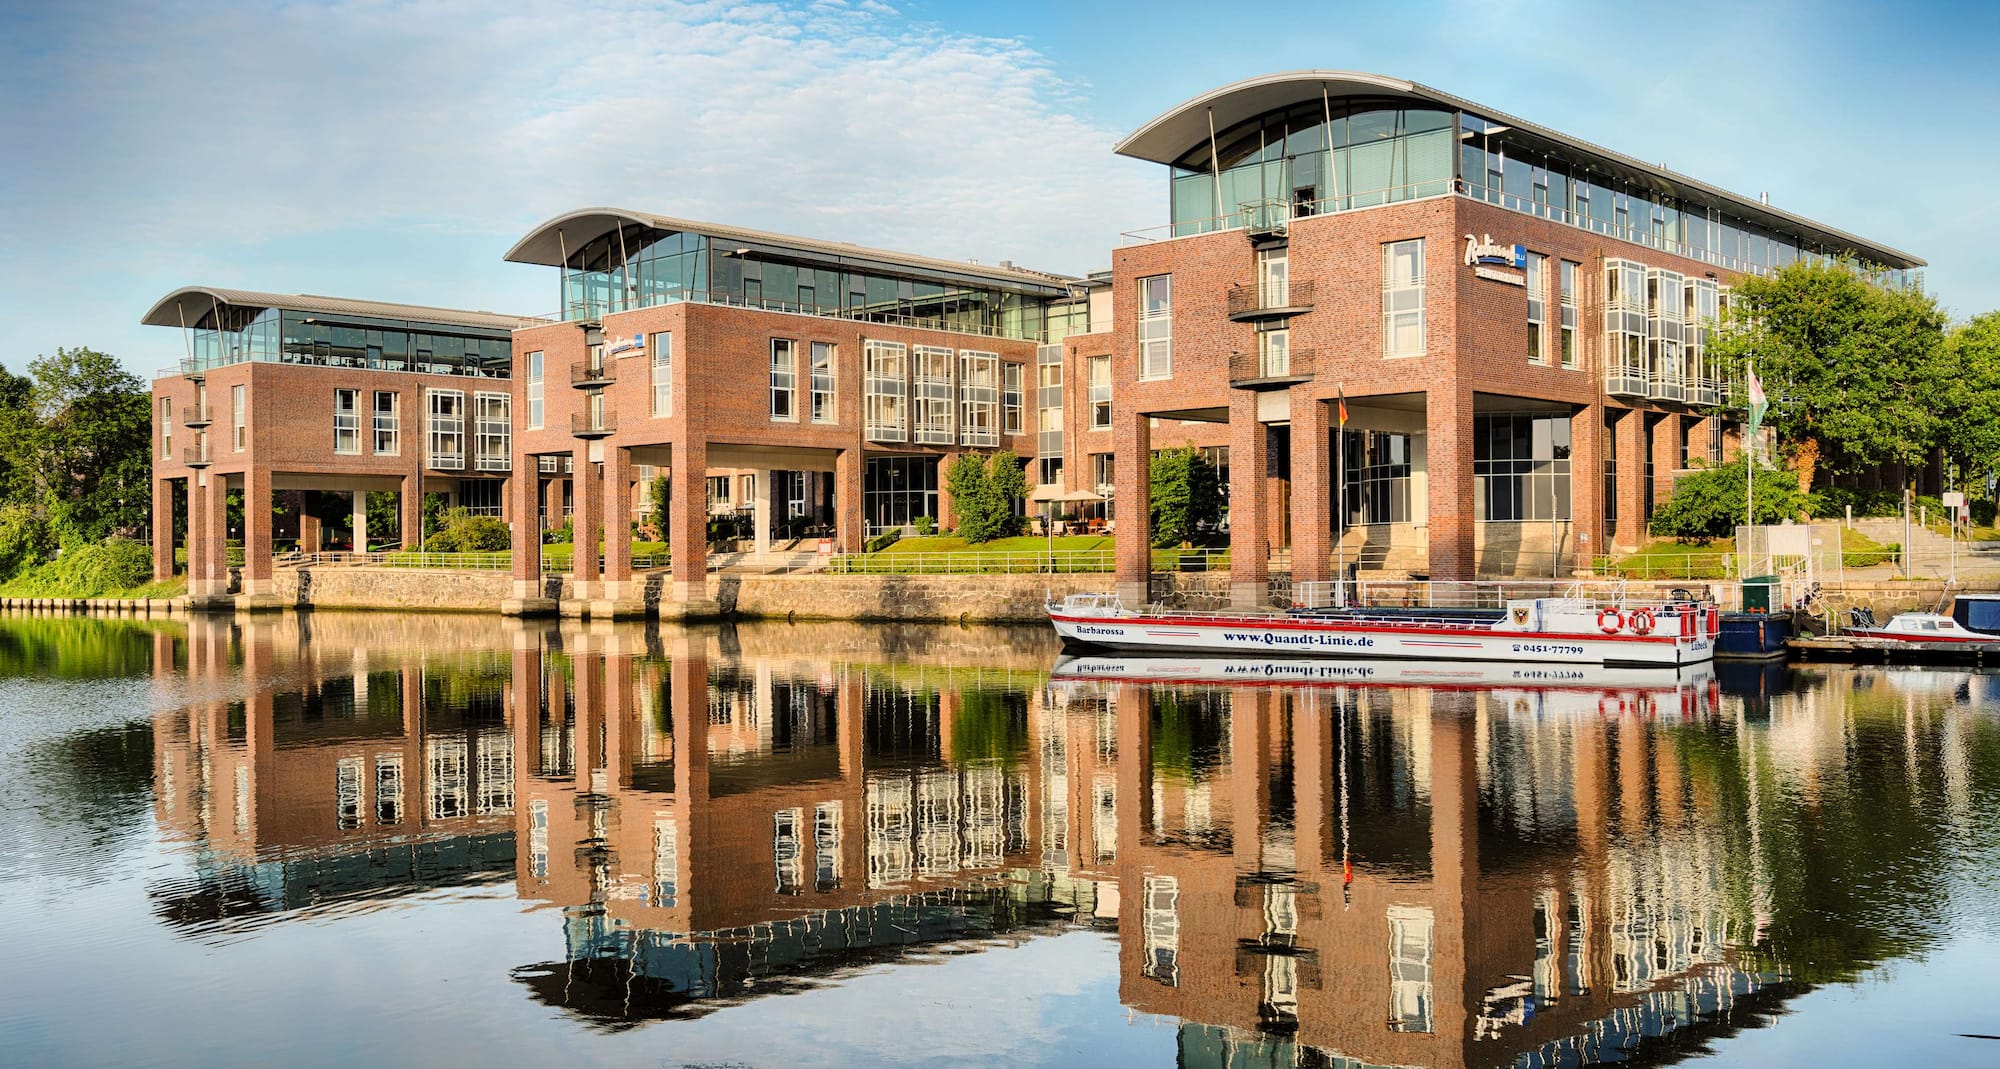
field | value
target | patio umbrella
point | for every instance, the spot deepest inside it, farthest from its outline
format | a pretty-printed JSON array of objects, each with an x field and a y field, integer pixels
[{"x": 1052, "y": 495}]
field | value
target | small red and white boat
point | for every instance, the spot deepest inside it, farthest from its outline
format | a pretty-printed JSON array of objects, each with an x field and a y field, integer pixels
[
  {"x": 1918, "y": 628},
  {"x": 1564, "y": 630}
]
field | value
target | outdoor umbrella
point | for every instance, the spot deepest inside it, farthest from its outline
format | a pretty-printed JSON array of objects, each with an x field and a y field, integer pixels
[{"x": 1052, "y": 495}]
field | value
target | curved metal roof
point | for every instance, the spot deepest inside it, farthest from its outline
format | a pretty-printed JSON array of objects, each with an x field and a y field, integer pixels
[
  {"x": 188, "y": 304},
  {"x": 570, "y": 231},
  {"x": 1173, "y": 132}
]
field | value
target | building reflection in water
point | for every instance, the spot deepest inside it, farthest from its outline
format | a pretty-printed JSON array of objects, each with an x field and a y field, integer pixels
[{"x": 1300, "y": 875}]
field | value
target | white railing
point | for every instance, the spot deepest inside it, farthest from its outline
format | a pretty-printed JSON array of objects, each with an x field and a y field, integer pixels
[
  {"x": 593, "y": 310},
  {"x": 1443, "y": 594},
  {"x": 555, "y": 558}
]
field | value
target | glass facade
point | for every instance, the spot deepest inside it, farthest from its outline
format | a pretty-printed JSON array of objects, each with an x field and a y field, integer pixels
[
  {"x": 897, "y": 490},
  {"x": 1156, "y": 327},
  {"x": 886, "y": 389},
  {"x": 639, "y": 267},
  {"x": 1048, "y": 414},
  {"x": 1520, "y": 466},
  {"x": 231, "y": 335},
  {"x": 1378, "y": 477},
  {"x": 1403, "y": 298}
]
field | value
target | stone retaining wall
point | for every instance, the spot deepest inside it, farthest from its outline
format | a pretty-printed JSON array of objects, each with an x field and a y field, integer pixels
[
  {"x": 395, "y": 589},
  {"x": 969, "y": 598}
]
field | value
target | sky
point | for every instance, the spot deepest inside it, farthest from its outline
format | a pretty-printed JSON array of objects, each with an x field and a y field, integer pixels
[{"x": 395, "y": 149}]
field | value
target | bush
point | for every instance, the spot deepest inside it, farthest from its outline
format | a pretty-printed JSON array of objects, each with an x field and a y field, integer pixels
[
  {"x": 884, "y": 540},
  {"x": 560, "y": 536},
  {"x": 1982, "y": 513},
  {"x": 25, "y": 540},
  {"x": 1831, "y": 502},
  {"x": 1862, "y": 558},
  {"x": 926, "y": 525},
  {"x": 464, "y": 533},
  {"x": 1709, "y": 503},
  {"x": 1186, "y": 496},
  {"x": 90, "y": 570}
]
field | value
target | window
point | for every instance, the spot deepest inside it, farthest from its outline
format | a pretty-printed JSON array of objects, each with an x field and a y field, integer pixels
[
  {"x": 538, "y": 836},
  {"x": 886, "y": 391},
  {"x": 666, "y": 862},
  {"x": 531, "y": 390},
  {"x": 718, "y": 490},
  {"x": 978, "y": 398},
  {"x": 930, "y": 394},
  {"x": 1103, "y": 470},
  {"x": 1520, "y": 466},
  {"x": 1011, "y": 401},
  {"x": 389, "y": 788},
  {"x": 496, "y": 773},
  {"x": 1568, "y": 299},
  {"x": 1537, "y": 270},
  {"x": 1624, "y": 327},
  {"x": 1161, "y": 930},
  {"x": 447, "y": 428},
  {"x": 1100, "y": 393},
  {"x": 449, "y": 763},
  {"x": 347, "y": 793},
  {"x": 1403, "y": 298},
  {"x": 1156, "y": 327},
  {"x": 493, "y": 432},
  {"x": 1410, "y": 931},
  {"x": 660, "y": 349},
  {"x": 239, "y": 417},
  {"x": 1273, "y": 278},
  {"x": 787, "y": 852},
  {"x": 347, "y": 421},
  {"x": 1274, "y": 351},
  {"x": 388, "y": 423},
  {"x": 784, "y": 379},
  {"x": 1665, "y": 304},
  {"x": 1378, "y": 477},
  {"x": 166, "y": 428},
  {"x": 826, "y": 846},
  {"x": 823, "y": 409},
  {"x": 1049, "y": 413}
]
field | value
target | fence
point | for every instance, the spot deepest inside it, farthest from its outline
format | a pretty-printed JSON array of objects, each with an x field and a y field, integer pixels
[
  {"x": 1016, "y": 562},
  {"x": 554, "y": 559}
]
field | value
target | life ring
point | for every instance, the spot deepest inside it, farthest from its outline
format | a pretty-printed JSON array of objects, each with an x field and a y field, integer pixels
[
  {"x": 1610, "y": 708},
  {"x": 1642, "y": 622},
  {"x": 1610, "y": 620}
]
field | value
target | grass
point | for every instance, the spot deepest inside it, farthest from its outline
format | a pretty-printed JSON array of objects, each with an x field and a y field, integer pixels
[
  {"x": 157, "y": 590},
  {"x": 1669, "y": 559},
  {"x": 1093, "y": 552}
]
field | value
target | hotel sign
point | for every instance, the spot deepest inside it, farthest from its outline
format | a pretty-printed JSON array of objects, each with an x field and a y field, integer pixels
[
  {"x": 625, "y": 345},
  {"x": 1491, "y": 261}
]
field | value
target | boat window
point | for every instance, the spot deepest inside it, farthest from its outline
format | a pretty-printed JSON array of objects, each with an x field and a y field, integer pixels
[{"x": 1929, "y": 625}]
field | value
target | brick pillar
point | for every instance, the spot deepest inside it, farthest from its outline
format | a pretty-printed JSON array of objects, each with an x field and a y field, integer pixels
[
  {"x": 589, "y": 518},
  {"x": 848, "y": 517},
  {"x": 1631, "y": 438},
  {"x": 256, "y": 530},
  {"x": 617, "y": 492},
  {"x": 687, "y": 521},
  {"x": 761, "y": 500},
  {"x": 1586, "y": 486},
  {"x": 309, "y": 533},
  {"x": 1132, "y": 441},
  {"x": 1249, "y": 508},
  {"x": 1448, "y": 467},
  {"x": 215, "y": 554},
  {"x": 410, "y": 511},
  {"x": 1667, "y": 436},
  {"x": 1312, "y": 489},
  {"x": 163, "y": 529},
  {"x": 197, "y": 535},
  {"x": 945, "y": 518},
  {"x": 526, "y": 534},
  {"x": 552, "y": 501}
]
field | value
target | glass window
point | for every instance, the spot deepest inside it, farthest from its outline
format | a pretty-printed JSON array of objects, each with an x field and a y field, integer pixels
[
  {"x": 823, "y": 407},
  {"x": 1567, "y": 285},
  {"x": 931, "y": 395},
  {"x": 1378, "y": 466},
  {"x": 347, "y": 421},
  {"x": 886, "y": 391},
  {"x": 1156, "y": 328},
  {"x": 1537, "y": 271},
  {"x": 1403, "y": 298},
  {"x": 239, "y": 417},
  {"x": 1410, "y": 992},
  {"x": 166, "y": 428},
  {"x": 493, "y": 432},
  {"x": 661, "y": 348},
  {"x": 388, "y": 423},
  {"x": 1011, "y": 398},
  {"x": 447, "y": 429},
  {"x": 1100, "y": 393},
  {"x": 1103, "y": 471},
  {"x": 979, "y": 398},
  {"x": 784, "y": 379},
  {"x": 532, "y": 390},
  {"x": 1521, "y": 466}
]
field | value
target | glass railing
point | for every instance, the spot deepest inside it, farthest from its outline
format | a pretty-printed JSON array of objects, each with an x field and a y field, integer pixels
[{"x": 594, "y": 310}]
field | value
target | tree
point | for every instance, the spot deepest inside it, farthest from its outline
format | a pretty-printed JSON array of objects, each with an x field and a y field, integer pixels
[
  {"x": 1709, "y": 503},
  {"x": 92, "y": 467},
  {"x": 1966, "y": 373},
  {"x": 983, "y": 491},
  {"x": 1186, "y": 496},
  {"x": 1007, "y": 486},
  {"x": 1848, "y": 365}
]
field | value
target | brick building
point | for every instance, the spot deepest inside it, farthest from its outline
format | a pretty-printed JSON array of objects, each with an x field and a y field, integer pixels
[
  {"x": 1516, "y": 318},
  {"x": 289, "y": 394}
]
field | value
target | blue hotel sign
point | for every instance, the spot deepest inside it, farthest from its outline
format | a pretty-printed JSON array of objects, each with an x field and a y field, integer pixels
[
  {"x": 625, "y": 345},
  {"x": 1480, "y": 251}
]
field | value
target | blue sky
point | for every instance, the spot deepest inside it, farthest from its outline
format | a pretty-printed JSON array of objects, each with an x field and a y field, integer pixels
[{"x": 394, "y": 150}]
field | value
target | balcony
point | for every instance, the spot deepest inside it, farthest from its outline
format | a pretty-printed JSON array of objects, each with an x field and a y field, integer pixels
[
  {"x": 1270, "y": 371},
  {"x": 1248, "y": 303},
  {"x": 195, "y": 456},
  {"x": 582, "y": 426},
  {"x": 1625, "y": 382},
  {"x": 1664, "y": 388},
  {"x": 1706, "y": 392},
  {"x": 585, "y": 375},
  {"x": 195, "y": 417}
]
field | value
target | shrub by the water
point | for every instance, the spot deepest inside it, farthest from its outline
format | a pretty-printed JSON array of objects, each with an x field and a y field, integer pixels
[
  {"x": 89, "y": 571},
  {"x": 465, "y": 533}
]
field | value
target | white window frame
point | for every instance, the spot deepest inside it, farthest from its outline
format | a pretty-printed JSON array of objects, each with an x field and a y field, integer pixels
[
  {"x": 1013, "y": 381},
  {"x": 1403, "y": 292},
  {"x": 166, "y": 428},
  {"x": 531, "y": 388},
  {"x": 660, "y": 357},
  {"x": 1537, "y": 272},
  {"x": 1274, "y": 353},
  {"x": 239, "y": 417},
  {"x": 823, "y": 367},
  {"x": 447, "y": 428},
  {"x": 387, "y": 426},
  {"x": 886, "y": 391},
  {"x": 1156, "y": 327},
  {"x": 1100, "y": 393},
  {"x": 493, "y": 432},
  {"x": 931, "y": 399},
  {"x": 978, "y": 398},
  {"x": 347, "y": 422},
  {"x": 1567, "y": 272},
  {"x": 784, "y": 380}
]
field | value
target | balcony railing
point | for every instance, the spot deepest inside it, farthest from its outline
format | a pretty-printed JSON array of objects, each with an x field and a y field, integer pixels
[
  {"x": 1707, "y": 392},
  {"x": 582, "y": 426},
  {"x": 1625, "y": 382},
  {"x": 1271, "y": 370},
  {"x": 1665, "y": 388},
  {"x": 1270, "y": 300},
  {"x": 195, "y": 456},
  {"x": 586, "y": 375},
  {"x": 196, "y": 416}
]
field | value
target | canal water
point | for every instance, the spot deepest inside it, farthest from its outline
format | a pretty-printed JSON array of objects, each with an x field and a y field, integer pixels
[{"x": 380, "y": 840}]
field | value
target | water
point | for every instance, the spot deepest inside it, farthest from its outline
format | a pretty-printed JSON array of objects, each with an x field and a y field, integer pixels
[{"x": 419, "y": 840}]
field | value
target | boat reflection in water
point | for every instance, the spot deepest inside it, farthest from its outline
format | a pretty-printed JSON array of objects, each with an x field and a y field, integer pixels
[{"x": 1404, "y": 868}]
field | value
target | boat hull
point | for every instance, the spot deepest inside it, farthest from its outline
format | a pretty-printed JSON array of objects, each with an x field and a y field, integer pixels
[{"x": 1375, "y": 640}]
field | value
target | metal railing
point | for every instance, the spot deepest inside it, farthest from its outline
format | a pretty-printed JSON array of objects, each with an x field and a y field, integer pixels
[
  {"x": 1443, "y": 594},
  {"x": 195, "y": 417},
  {"x": 1248, "y": 298},
  {"x": 1251, "y": 367},
  {"x": 195, "y": 456},
  {"x": 577, "y": 311},
  {"x": 555, "y": 559},
  {"x": 582, "y": 426},
  {"x": 1625, "y": 381},
  {"x": 585, "y": 373}
]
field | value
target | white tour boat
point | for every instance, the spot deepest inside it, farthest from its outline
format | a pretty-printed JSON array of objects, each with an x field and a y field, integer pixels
[
  {"x": 1918, "y": 627},
  {"x": 1564, "y": 630}
]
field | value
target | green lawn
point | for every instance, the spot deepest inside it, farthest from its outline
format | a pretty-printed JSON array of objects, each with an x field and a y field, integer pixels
[
  {"x": 1026, "y": 553},
  {"x": 1668, "y": 559},
  {"x": 158, "y": 590}
]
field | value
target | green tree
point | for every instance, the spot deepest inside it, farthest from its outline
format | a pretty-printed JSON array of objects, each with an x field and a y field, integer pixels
[
  {"x": 1849, "y": 367},
  {"x": 1966, "y": 372},
  {"x": 1709, "y": 503},
  {"x": 971, "y": 497},
  {"x": 92, "y": 467},
  {"x": 1006, "y": 487},
  {"x": 1186, "y": 496}
]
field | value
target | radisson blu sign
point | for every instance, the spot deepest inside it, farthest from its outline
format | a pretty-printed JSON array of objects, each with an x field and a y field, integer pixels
[{"x": 1491, "y": 261}]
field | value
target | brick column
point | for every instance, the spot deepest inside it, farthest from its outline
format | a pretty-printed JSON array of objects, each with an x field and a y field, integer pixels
[
  {"x": 1132, "y": 442},
  {"x": 410, "y": 511},
  {"x": 552, "y": 501},
  {"x": 1312, "y": 489},
  {"x": 1586, "y": 486},
  {"x": 945, "y": 517},
  {"x": 687, "y": 520},
  {"x": 197, "y": 535},
  {"x": 1448, "y": 467},
  {"x": 526, "y": 535},
  {"x": 589, "y": 503},
  {"x": 1667, "y": 436},
  {"x": 848, "y": 517},
  {"x": 256, "y": 530},
  {"x": 309, "y": 534},
  {"x": 1249, "y": 507},
  {"x": 761, "y": 501},
  {"x": 163, "y": 529},
  {"x": 215, "y": 525},
  {"x": 1631, "y": 438},
  {"x": 617, "y": 492}
]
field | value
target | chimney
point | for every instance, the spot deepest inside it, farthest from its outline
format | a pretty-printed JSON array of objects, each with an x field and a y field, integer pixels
[{"x": 1008, "y": 264}]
